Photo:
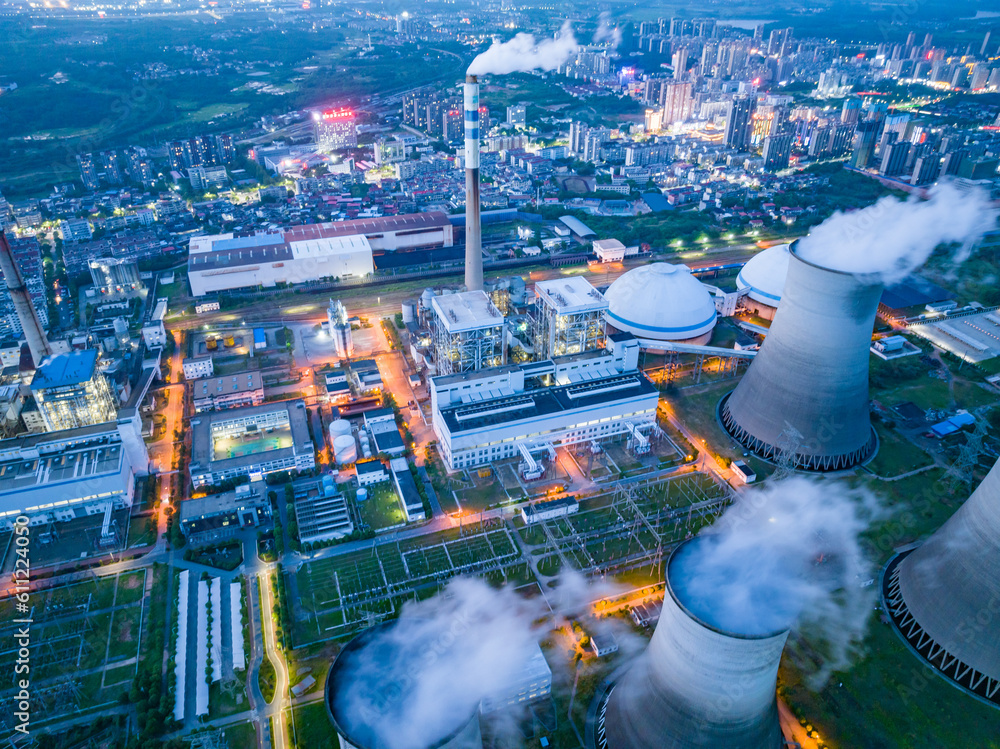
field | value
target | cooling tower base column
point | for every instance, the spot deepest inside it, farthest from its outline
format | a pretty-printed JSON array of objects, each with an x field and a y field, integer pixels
[
  {"x": 922, "y": 644},
  {"x": 801, "y": 461}
]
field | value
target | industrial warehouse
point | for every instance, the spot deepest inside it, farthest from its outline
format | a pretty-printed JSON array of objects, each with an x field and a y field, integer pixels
[{"x": 343, "y": 249}]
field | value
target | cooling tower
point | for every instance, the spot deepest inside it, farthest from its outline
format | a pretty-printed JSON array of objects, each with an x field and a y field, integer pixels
[
  {"x": 368, "y": 688},
  {"x": 38, "y": 343},
  {"x": 944, "y": 596},
  {"x": 696, "y": 685},
  {"x": 473, "y": 229},
  {"x": 807, "y": 389}
]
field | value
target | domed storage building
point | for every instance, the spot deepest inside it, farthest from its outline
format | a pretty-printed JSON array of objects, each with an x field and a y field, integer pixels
[
  {"x": 661, "y": 302},
  {"x": 762, "y": 280}
]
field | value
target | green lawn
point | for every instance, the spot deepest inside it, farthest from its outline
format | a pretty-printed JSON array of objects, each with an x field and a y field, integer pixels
[
  {"x": 313, "y": 729},
  {"x": 240, "y": 736},
  {"x": 896, "y": 454},
  {"x": 925, "y": 392},
  {"x": 267, "y": 679},
  {"x": 382, "y": 509}
]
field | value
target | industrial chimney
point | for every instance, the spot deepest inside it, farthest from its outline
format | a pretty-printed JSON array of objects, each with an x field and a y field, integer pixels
[
  {"x": 473, "y": 230},
  {"x": 696, "y": 685},
  {"x": 38, "y": 344},
  {"x": 944, "y": 596},
  {"x": 805, "y": 396}
]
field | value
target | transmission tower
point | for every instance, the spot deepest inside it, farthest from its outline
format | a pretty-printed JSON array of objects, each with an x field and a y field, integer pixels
[
  {"x": 789, "y": 442},
  {"x": 969, "y": 454}
]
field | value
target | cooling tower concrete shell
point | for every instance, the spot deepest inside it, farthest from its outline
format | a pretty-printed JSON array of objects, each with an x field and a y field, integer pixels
[
  {"x": 944, "y": 596},
  {"x": 355, "y": 713},
  {"x": 695, "y": 686},
  {"x": 345, "y": 449},
  {"x": 807, "y": 389}
]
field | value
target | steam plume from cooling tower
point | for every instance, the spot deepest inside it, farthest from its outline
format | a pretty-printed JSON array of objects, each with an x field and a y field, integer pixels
[
  {"x": 523, "y": 54},
  {"x": 891, "y": 238},
  {"x": 606, "y": 32},
  {"x": 785, "y": 556},
  {"x": 447, "y": 654}
]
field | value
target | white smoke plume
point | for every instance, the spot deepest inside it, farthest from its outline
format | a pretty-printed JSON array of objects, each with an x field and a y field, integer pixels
[
  {"x": 524, "y": 54},
  {"x": 787, "y": 556},
  {"x": 606, "y": 32},
  {"x": 418, "y": 681},
  {"x": 892, "y": 238}
]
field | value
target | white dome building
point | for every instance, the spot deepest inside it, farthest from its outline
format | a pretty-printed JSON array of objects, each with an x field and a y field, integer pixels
[
  {"x": 661, "y": 302},
  {"x": 762, "y": 280}
]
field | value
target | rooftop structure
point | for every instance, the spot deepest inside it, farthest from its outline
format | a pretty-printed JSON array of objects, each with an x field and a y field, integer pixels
[
  {"x": 321, "y": 510},
  {"x": 568, "y": 317},
  {"x": 503, "y": 412},
  {"x": 231, "y": 391},
  {"x": 940, "y": 595},
  {"x": 71, "y": 392},
  {"x": 114, "y": 276},
  {"x": 59, "y": 476},
  {"x": 217, "y": 516},
  {"x": 578, "y": 228},
  {"x": 661, "y": 302},
  {"x": 251, "y": 441},
  {"x": 670, "y": 697},
  {"x": 805, "y": 396},
  {"x": 468, "y": 332}
]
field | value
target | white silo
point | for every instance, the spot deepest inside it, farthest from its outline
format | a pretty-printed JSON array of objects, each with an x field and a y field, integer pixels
[
  {"x": 806, "y": 392},
  {"x": 697, "y": 685},
  {"x": 944, "y": 596},
  {"x": 661, "y": 302},
  {"x": 339, "y": 427},
  {"x": 340, "y": 330},
  {"x": 345, "y": 449}
]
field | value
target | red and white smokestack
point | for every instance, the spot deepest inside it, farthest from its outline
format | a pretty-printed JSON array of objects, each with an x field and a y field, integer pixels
[
  {"x": 473, "y": 230},
  {"x": 38, "y": 343}
]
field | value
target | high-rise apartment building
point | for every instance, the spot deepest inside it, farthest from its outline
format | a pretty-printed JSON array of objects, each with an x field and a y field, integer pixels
[
  {"x": 741, "y": 110},
  {"x": 88, "y": 171},
  {"x": 777, "y": 151},
  {"x": 678, "y": 102},
  {"x": 112, "y": 166},
  {"x": 335, "y": 128}
]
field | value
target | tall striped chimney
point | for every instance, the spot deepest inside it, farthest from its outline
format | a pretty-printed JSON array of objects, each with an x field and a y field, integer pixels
[
  {"x": 38, "y": 344},
  {"x": 473, "y": 230}
]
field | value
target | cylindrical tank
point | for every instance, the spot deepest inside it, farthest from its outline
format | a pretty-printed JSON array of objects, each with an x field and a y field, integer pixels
[
  {"x": 426, "y": 297},
  {"x": 806, "y": 393},
  {"x": 369, "y": 692},
  {"x": 944, "y": 596},
  {"x": 362, "y": 494},
  {"x": 339, "y": 427},
  {"x": 329, "y": 485},
  {"x": 345, "y": 449},
  {"x": 366, "y": 451},
  {"x": 409, "y": 310},
  {"x": 696, "y": 685}
]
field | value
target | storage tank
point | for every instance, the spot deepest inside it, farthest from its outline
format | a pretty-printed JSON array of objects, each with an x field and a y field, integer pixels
[
  {"x": 944, "y": 596},
  {"x": 409, "y": 310},
  {"x": 339, "y": 427},
  {"x": 696, "y": 685},
  {"x": 329, "y": 486},
  {"x": 369, "y": 691},
  {"x": 805, "y": 394},
  {"x": 362, "y": 494},
  {"x": 345, "y": 449}
]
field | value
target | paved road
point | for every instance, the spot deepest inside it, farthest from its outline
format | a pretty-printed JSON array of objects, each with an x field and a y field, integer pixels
[{"x": 275, "y": 710}]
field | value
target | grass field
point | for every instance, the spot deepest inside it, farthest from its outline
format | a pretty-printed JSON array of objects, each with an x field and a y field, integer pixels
[
  {"x": 896, "y": 454},
  {"x": 382, "y": 509},
  {"x": 313, "y": 728}
]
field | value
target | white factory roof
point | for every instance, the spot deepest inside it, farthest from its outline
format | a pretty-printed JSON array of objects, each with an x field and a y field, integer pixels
[
  {"x": 577, "y": 226},
  {"x": 571, "y": 295},
  {"x": 469, "y": 310},
  {"x": 661, "y": 302},
  {"x": 764, "y": 275},
  {"x": 330, "y": 246}
]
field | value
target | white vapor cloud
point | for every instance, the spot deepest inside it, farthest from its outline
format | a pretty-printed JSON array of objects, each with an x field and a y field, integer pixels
[
  {"x": 892, "y": 238},
  {"x": 606, "y": 32},
  {"x": 787, "y": 556},
  {"x": 420, "y": 679},
  {"x": 524, "y": 54}
]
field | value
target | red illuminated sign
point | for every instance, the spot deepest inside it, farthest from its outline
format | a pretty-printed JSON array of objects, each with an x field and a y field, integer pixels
[{"x": 344, "y": 113}]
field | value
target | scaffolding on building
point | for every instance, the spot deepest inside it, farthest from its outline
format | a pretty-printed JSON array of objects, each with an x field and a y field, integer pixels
[
  {"x": 468, "y": 333},
  {"x": 564, "y": 327}
]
